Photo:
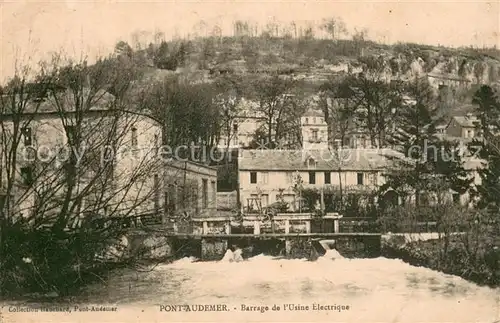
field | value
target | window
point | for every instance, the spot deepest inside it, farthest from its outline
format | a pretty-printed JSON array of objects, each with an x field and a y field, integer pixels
[
  {"x": 214, "y": 193},
  {"x": 205, "y": 193},
  {"x": 253, "y": 177},
  {"x": 235, "y": 140},
  {"x": 328, "y": 179},
  {"x": 312, "y": 178},
  {"x": 171, "y": 197},
  {"x": 456, "y": 198},
  {"x": 27, "y": 137},
  {"x": 235, "y": 127},
  {"x": 157, "y": 192},
  {"x": 134, "y": 137},
  {"x": 311, "y": 163},
  {"x": 27, "y": 175},
  {"x": 265, "y": 178},
  {"x": 314, "y": 134},
  {"x": 307, "y": 120},
  {"x": 360, "y": 178}
]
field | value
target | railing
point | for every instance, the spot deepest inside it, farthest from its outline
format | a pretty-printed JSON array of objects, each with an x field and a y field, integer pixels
[{"x": 136, "y": 221}]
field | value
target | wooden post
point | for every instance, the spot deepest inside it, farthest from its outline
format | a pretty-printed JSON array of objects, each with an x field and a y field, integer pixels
[
  {"x": 228, "y": 227},
  {"x": 256, "y": 227},
  {"x": 205, "y": 227},
  {"x": 322, "y": 200},
  {"x": 287, "y": 226},
  {"x": 336, "y": 228}
]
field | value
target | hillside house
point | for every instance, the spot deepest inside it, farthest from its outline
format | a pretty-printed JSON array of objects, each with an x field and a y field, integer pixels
[
  {"x": 242, "y": 131},
  {"x": 463, "y": 127},
  {"x": 314, "y": 130}
]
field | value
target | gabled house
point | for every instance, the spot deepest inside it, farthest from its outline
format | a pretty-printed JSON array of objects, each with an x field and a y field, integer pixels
[{"x": 463, "y": 127}]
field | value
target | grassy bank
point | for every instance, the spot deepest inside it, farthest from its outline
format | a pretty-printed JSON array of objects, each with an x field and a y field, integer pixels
[{"x": 482, "y": 266}]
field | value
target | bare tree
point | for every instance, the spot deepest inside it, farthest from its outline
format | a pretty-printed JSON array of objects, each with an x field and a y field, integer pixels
[
  {"x": 227, "y": 100},
  {"x": 279, "y": 104},
  {"x": 380, "y": 103},
  {"x": 186, "y": 110},
  {"x": 71, "y": 154},
  {"x": 334, "y": 27},
  {"x": 339, "y": 104}
]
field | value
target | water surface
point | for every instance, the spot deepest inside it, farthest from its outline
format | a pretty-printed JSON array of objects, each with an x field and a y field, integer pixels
[{"x": 375, "y": 290}]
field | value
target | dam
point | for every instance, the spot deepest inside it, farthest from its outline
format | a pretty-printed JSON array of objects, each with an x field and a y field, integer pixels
[{"x": 285, "y": 235}]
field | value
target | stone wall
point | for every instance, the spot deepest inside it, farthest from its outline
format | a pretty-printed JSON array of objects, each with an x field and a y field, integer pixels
[
  {"x": 150, "y": 247},
  {"x": 359, "y": 247},
  {"x": 213, "y": 249},
  {"x": 349, "y": 247}
]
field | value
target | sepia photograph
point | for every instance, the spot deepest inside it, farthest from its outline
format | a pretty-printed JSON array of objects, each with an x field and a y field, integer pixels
[{"x": 249, "y": 161}]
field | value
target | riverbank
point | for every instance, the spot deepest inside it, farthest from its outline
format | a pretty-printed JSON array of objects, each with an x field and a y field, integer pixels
[{"x": 481, "y": 266}]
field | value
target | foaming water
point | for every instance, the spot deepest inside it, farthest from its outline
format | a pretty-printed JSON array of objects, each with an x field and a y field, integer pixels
[{"x": 376, "y": 290}]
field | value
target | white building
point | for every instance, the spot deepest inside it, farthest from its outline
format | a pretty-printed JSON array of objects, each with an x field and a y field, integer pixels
[
  {"x": 267, "y": 174},
  {"x": 314, "y": 130},
  {"x": 119, "y": 168},
  {"x": 113, "y": 153}
]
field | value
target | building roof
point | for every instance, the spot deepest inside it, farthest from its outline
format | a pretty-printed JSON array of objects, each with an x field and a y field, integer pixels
[
  {"x": 463, "y": 109},
  {"x": 466, "y": 121},
  {"x": 313, "y": 113},
  {"x": 87, "y": 114},
  {"x": 352, "y": 160},
  {"x": 292, "y": 160},
  {"x": 473, "y": 163},
  {"x": 447, "y": 76}
]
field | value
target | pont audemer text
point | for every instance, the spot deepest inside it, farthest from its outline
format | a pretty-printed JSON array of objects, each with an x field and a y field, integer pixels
[{"x": 194, "y": 308}]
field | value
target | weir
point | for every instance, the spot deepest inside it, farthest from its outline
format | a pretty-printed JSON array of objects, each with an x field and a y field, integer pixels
[{"x": 285, "y": 235}]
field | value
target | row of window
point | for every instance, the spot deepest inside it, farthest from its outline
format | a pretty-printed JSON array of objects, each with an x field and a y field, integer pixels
[
  {"x": 314, "y": 120},
  {"x": 312, "y": 177},
  {"x": 27, "y": 134}
]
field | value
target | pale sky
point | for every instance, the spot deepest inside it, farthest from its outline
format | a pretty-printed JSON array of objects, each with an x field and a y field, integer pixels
[{"x": 32, "y": 28}]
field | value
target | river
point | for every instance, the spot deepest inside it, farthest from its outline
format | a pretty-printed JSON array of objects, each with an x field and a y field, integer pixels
[{"x": 356, "y": 290}]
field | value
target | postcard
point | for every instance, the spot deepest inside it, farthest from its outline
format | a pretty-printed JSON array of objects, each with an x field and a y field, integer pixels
[{"x": 249, "y": 161}]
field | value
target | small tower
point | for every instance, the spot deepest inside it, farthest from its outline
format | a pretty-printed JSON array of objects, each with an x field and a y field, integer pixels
[{"x": 314, "y": 130}]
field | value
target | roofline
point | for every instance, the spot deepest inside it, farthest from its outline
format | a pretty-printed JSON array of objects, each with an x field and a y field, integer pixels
[
  {"x": 169, "y": 163},
  {"x": 86, "y": 112},
  {"x": 438, "y": 76}
]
